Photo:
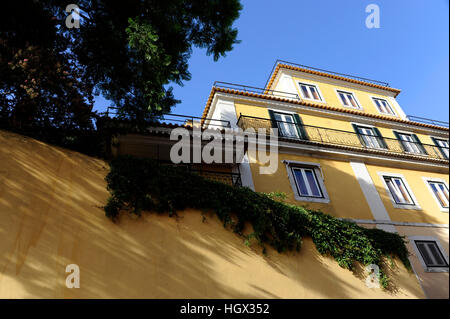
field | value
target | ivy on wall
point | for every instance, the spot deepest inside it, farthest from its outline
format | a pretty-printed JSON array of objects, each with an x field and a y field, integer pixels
[{"x": 141, "y": 184}]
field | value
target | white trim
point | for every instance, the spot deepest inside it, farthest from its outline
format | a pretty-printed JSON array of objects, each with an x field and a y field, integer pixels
[
  {"x": 376, "y": 107},
  {"x": 416, "y": 205},
  {"x": 437, "y": 180},
  {"x": 397, "y": 108},
  {"x": 433, "y": 138},
  {"x": 370, "y": 191},
  {"x": 246, "y": 173},
  {"x": 319, "y": 177},
  {"x": 285, "y": 83},
  {"x": 298, "y": 82},
  {"x": 413, "y": 239},
  {"x": 372, "y": 127},
  {"x": 411, "y": 134},
  {"x": 359, "y": 107}
]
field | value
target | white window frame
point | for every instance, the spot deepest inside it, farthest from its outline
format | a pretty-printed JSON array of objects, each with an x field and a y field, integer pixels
[
  {"x": 413, "y": 240},
  {"x": 319, "y": 178},
  {"x": 384, "y": 99},
  {"x": 442, "y": 139},
  {"x": 414, "y": 206},
  {"x": 358, "y": 107},
  {"x": 380, "y": 147},
  {"x": 299, "y": 82},
  {"x": 436, "y": 180},
  {"x": 410, "y": 134},
  {"x": 297, "y": 135}
]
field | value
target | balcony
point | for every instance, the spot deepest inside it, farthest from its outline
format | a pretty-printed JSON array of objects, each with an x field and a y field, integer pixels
[{"x": 333, "y": 137}]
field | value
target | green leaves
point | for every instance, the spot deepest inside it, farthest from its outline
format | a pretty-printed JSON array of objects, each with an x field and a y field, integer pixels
[{"x": 167, "y": 188}]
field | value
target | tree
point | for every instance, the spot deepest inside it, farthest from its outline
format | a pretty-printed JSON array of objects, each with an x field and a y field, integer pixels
[
  {"x": 130, "y": 52},
  {"x": 40, "y": 86}
]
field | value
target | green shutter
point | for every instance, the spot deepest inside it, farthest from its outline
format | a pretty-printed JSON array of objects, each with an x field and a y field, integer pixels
[
  {"x": 274, "y": 121},
  {"x": 400, "y": 140},
  {"x": 355, "y": 127},
  {"x": 439, "y": 147},
  {"x": 300, "y": 127},
  {"x": 419, "y": 143},
  {"x": 380, "y": 138},
  {"x": 272, "y": 118}
]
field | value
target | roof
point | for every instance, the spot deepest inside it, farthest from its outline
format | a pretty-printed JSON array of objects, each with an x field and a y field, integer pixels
[{"x": 332, "y": 75}]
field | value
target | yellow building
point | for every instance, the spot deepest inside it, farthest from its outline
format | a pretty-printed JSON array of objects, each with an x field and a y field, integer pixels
[{"x": 346, "y": 147}]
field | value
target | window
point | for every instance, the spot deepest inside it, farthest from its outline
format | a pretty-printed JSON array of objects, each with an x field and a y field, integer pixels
[
  {"x": 369, "y": 136},
  {"x": 286, "y": 125},
  {"x": 443, "y": 146},
  {"x": 431, "y": 255},
  {"x": 348, "y": 99},
  {"x": 307, "y": 182},
  {"x": 398, "y": 190},
  {"x": 440, "y": 191},
  {"x": 309, "y": 92},
  {"x": 410, "y": 143},
  {"x": 383, "y": 106}
]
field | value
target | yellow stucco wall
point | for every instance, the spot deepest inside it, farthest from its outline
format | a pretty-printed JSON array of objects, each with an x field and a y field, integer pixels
[
  {"x": 346, "y": 197},
  {"x": 51, "y": 215},
  {"x": 328, "y": 89},
  {"x": 430, "y": 211}
]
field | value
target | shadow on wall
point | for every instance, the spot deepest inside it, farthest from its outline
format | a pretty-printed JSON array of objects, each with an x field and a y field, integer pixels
[{"x": 51, "y": 215}]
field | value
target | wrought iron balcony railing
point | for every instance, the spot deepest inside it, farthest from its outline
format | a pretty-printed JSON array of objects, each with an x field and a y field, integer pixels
[{"x": 337, "y": 137}]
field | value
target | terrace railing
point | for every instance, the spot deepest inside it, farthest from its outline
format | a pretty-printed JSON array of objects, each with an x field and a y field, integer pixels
[
  {"x": 427, "y": 121},
  {"x": 329, "y": 136},
  {"x": 179, "y": 119},
  {"x": 252, "y": 89},
  {"x": 354, "y": 77}
]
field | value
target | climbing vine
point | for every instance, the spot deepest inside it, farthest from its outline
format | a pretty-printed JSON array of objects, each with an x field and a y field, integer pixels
[{"x": 141, "y": 184}]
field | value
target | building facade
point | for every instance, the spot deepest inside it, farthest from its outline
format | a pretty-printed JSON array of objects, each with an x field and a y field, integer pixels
[{"x": 347, "y": 148}]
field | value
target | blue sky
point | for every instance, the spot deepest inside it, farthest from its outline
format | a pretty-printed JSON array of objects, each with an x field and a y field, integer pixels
[{"x": 410, "y": 50}]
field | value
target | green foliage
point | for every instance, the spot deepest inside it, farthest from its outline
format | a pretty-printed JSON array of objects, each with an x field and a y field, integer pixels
[
  {"x": 130, "y": 53},
  {"x": 139, "y": 184}
]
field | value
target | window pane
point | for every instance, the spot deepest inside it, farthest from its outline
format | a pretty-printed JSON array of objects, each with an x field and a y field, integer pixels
[
  {"x": 393, "y": 191},
  {"x": 424, "y": 252},
  {"x": 344, "y": 101},
  {"x": 378, "y": 105},
  {"x": 352, "y": 101},
  {"x": 444, "y": 147},
  {"x": 301, "y": 183},
  {"x": 314, "y": 93},
  {"x": 403, "y": 190},
  {"x": 434, "y": 250},
  {"x": 312, "y": 183},
  {"x": 444, "y": 190},
  {"x": 305, "y": 92},
  {"x": 441, "y": 193}
]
